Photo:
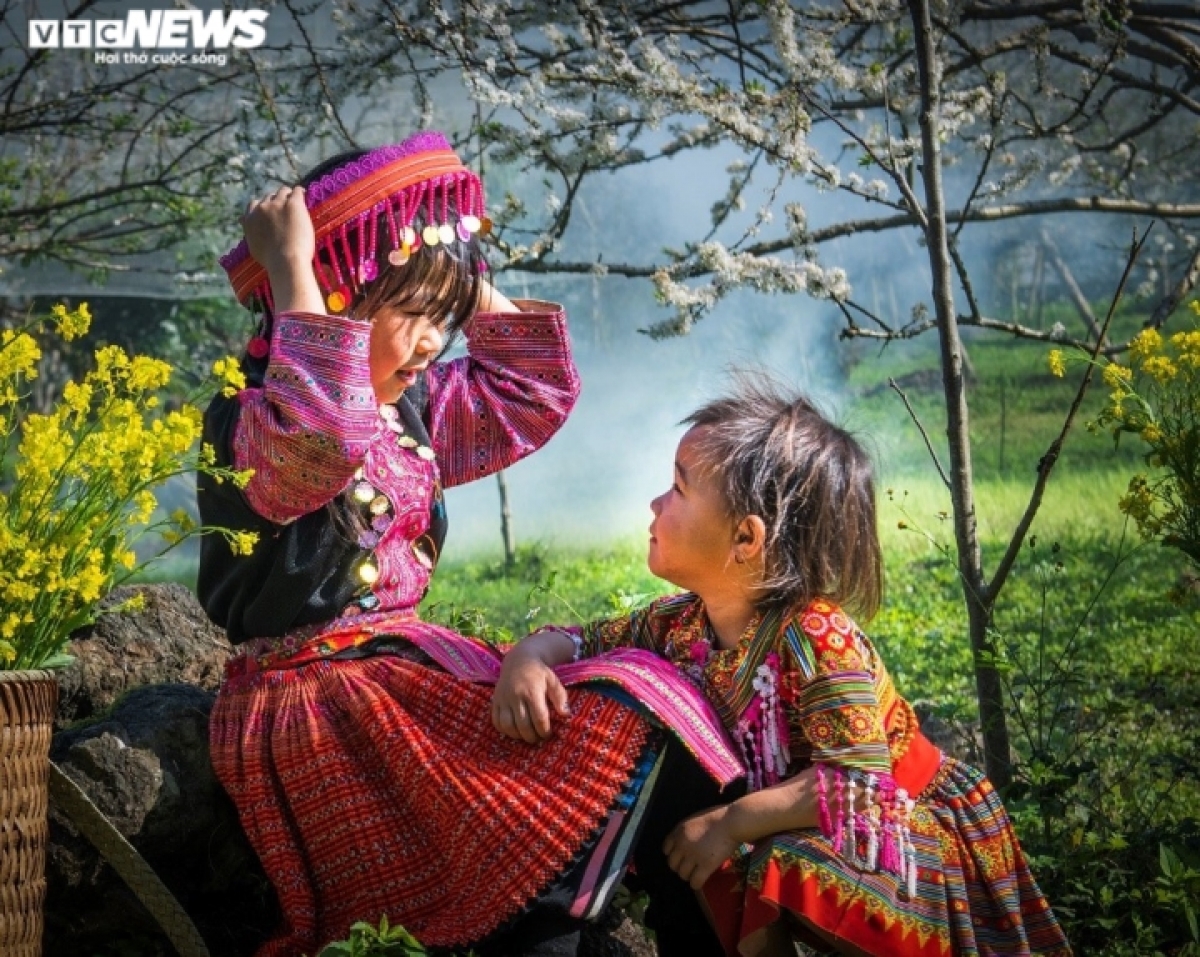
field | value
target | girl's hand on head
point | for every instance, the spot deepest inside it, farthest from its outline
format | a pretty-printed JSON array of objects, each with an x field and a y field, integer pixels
[
  {"x": 279, "y": 230},
  {"x": 526, "y": 694},
  {"x": 700, "y": 845}
]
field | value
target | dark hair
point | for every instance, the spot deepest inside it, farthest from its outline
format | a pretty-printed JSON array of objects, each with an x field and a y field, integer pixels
[
  {"x": 441, "y": 281},
  {"x": 776, "y": 456}
]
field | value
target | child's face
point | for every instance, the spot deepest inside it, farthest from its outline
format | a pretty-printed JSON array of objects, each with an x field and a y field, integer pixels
[
  {"x": 692, "y": 535},
  {"x": 401, "y": 346}
]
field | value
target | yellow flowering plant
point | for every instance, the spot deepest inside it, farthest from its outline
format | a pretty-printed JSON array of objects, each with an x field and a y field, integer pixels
[
  {"x": 1156, "y": 397},
  {"x": 77, "y": 484}
]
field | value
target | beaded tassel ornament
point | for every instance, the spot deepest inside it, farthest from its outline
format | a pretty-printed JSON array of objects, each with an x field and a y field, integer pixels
[
  {"x": 876, "y": 838},
  {"x": 762, "y": 729}
]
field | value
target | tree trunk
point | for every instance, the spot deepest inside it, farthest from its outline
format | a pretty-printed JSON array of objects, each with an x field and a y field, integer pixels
[
  {"x": 1037, "y": 288},
  {"x": 506, "y": 530},
  {"x": 970, "y": 559}
]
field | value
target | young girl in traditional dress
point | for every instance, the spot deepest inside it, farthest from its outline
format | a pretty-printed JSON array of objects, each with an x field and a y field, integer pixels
[
  {"x": 365, "y": 770},
  {"x": 855, "y": 834}
]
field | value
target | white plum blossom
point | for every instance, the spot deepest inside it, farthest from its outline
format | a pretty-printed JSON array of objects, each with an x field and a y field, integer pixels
[{"x": 876, "y": 189}]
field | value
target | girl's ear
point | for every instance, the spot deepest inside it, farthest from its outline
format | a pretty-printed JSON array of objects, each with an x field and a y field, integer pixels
[{"x": 749, "y": 539}]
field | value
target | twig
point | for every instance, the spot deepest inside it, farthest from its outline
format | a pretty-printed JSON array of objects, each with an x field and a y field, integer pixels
[{"x": 921, "y": 429}]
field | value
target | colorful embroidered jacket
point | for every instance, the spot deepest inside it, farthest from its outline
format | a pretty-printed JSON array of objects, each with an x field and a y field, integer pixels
[
  {"x": 346, "y": 494},
  {"x": 813, "y": 675}
]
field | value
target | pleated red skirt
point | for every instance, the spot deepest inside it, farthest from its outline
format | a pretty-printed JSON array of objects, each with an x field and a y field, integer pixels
[{"x": 378, "y": 786}]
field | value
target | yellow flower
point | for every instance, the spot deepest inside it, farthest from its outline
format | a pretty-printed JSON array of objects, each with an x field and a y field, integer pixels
[
  {"x": 19, "y": 356},
  {"x": 90, "y": 581},
  {"x": 242, "y": 543},
  {"x": 144, "y": 504},
  {"x": 1145, "y": 344},
  {"x": 77, "y": 397},
  {"x": 81, "y": 477},
  {"x": 1188, "y": 345},
  {"x": 43, "y": 451},
  {"x": 1151, "y": 433},
  {"x": 183, "y": 521},
  {"x": 1117, "y": 376},
  {"x": 111, "y": 370},
  {"x": 1160, "y": 368},
  {"x": 1138, "y": 500},
  {"x": 135, "y": 602},
  {"x": 229, "y": 370},
  {"x": 72, "y": 325},
  {"x": 1057, "y": 366},
  {"x": 146, "y": 374}
]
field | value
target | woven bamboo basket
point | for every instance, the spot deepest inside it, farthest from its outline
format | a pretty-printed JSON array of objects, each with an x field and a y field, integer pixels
[{"x": 27, "y": 707}]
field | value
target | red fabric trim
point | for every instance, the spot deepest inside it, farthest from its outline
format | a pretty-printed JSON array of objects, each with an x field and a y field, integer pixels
[
  {"x": 739, "y": 912},
  {"x": 916, "y": 768}
]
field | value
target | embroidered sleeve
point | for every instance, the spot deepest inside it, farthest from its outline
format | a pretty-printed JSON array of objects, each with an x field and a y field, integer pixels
[
  {"x": 623, "y": 632},
  {"x": 646, "y": 628},
  {"x": 837, "y": 710},
  {"x": 309, "y": 425},
  {"x": 507, "y": 397},
  {"x": 830, "y": 693}
]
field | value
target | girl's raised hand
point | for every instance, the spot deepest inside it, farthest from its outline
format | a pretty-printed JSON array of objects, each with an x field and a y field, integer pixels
[
  {"x": 279, "y": 230},
  {"x": 280, "y": 235},
  {"x": 526, "y": 693}
]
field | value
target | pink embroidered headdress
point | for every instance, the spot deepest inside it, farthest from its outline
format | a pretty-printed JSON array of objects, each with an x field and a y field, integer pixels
[{"x": 372, "y": 199}]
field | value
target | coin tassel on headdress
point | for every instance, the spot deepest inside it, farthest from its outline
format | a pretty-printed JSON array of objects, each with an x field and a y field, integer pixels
[{"x": 372, "y": 199}]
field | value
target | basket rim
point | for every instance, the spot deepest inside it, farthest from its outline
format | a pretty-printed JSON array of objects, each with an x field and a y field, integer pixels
[{"x": 27, "y": 675}]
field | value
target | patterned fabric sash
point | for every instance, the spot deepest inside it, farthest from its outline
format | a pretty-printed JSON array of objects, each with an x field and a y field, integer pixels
[
  {"x": 302, "y": 646},
  {"x": 652, "y": 681},
  {"x": 675, "y": 701}
]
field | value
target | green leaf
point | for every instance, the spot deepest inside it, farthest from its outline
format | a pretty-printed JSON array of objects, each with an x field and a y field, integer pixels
[
  {"x": 1169, "y": 861},
  {"x": 60, "y": 660}
]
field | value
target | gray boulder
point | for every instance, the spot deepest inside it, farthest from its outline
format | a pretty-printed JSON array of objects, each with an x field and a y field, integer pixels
[
  {"x": 145, "y": 766},
  {"x": 170, "y": 640}
]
